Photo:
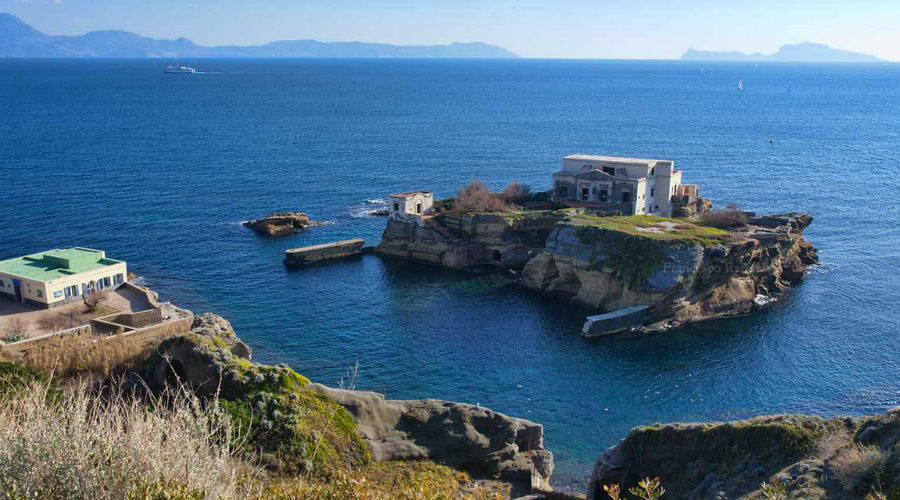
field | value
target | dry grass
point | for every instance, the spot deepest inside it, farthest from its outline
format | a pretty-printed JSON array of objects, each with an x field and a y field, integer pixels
[
  {"x": 78, "y": 444},
  {"x": 385, "y": 481},
  {"x": 83, "y": 352},
  {"x": 859, "y": 468}
]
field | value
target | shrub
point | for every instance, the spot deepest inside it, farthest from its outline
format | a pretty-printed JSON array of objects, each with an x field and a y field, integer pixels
[
  {"x": 730, "y": 217},
  {"x": 859, "y": 468},
  {"x": 16, "y": 330},
  {"x": 84, "y": 445},
  {"x": 477, "y": 197},
  {"x": 58, "y": 321},
  {"x": 647, "y": 489},
  {"x": 515, "y": 193},
  {"x": 92, "y": 300}
]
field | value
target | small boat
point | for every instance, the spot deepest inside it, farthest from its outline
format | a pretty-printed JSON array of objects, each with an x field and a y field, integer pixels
[
  {"x": 740, "y": 84},
  {"x": 179, "y": 68}
]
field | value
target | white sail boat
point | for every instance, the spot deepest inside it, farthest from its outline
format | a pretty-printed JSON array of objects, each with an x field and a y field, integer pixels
[{"x": 740, "y": 84}]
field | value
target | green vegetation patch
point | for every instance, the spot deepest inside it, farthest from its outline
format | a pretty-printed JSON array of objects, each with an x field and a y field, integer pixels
[
  {"x": 299, "y": 431},
  {"x": 654, "y": 228},
  {"x": 15, "y": 378}
]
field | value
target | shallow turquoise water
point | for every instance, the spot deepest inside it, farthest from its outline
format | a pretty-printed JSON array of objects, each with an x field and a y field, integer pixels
[{"x": 160, "y": 169}]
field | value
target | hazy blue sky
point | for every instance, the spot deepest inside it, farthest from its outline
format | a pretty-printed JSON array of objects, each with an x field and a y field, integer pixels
[{"x": 655, "y": 29}]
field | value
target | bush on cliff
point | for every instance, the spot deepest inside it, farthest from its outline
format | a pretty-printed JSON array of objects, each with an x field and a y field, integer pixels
[
  {"x": 288, "y": 428},
  {"x": 477, "y": 197},
  {"x": 730, "y": 217}
]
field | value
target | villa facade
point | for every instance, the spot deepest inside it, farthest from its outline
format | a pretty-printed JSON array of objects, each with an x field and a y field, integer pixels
[
  {"x": 610, "y": 184},
  {"x": 56, "y": 277}
]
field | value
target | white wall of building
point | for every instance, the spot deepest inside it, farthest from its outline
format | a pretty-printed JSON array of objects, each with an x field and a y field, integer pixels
[{"x": 53, "y": 291}]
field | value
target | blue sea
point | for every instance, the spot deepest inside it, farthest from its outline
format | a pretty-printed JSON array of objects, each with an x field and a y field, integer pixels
[{"x": 161, "y": 169}]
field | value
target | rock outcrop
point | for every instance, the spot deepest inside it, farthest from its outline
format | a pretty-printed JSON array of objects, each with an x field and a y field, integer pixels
[
  {"x": 482, "y": 442},
  {"x": 281, "y": 223},
  {"x": 814, "y": 458},
  {"x": 286, "y": 416},
  {"x": 685, "y": 273},
  {"x": 470, "y": 241}
]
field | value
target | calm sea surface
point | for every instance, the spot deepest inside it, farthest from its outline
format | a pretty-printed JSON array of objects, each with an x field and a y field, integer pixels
[{"x": 160, "y": 169}]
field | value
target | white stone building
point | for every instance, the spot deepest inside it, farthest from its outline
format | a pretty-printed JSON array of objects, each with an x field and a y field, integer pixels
[
  {"x": 410, "y": 205},
  {"x": 611, "y": 184}
]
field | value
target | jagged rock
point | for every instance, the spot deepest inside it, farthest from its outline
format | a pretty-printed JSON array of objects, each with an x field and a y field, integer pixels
[
  {"x": 281, "y": 223},
  {"x": 213, "y": 325},
  {"x": 808, "y": 454},
  {"x": 477, "y": 440}
]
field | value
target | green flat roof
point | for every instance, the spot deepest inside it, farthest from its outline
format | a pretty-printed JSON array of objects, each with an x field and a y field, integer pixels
[{"x": 54, "y": 264}]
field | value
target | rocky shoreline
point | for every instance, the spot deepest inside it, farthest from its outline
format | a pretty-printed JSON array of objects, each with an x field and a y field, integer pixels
[
  {"x": 681, "y": 270},
  {"x": 214, "y": 362}
]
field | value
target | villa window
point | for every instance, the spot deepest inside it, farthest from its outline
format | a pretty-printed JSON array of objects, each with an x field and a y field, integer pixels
[
  {"x": 610, "y": 170},
  {"x": 118, "y": 279},
  {"x": 584, "y": 194},
  {"x": 40, "y": 293},
  {"x": 106, "y": 282},
  {"x": 419, "y": 207},
  {"x": 653, "y": 171},
  {"x": 1, "y": 283},
  {"x": 653, "y": 191},
  {"x": 626, "y": 197},
  {"x": 563, "y": 191},
  {"x": 604, "y": 195}
]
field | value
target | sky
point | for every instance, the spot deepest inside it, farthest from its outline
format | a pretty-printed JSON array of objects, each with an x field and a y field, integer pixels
[{"x": 602, "y": 29}]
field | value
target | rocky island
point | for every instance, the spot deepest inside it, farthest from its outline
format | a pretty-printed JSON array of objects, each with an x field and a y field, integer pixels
[
  {"x": 622, "y": 236},
  {"x": 281, "y": 223}
]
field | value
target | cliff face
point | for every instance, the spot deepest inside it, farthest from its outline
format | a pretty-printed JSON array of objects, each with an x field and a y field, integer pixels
[
  {"x": 683, "y": 272},
  {"x": 814, "y": 458},
  {"x": 470, "y": 241}
]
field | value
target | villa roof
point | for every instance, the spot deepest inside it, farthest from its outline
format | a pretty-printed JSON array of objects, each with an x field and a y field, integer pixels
[
  {"x": 613, "y": 159},
  {"x": 59, "y": 263},
  {"x": 409, "y": 194}
]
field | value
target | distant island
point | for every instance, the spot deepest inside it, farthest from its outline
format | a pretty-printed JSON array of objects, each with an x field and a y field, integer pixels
[
  {"x": 798, "y": 52},
  {"x": 18, "y": 39}
]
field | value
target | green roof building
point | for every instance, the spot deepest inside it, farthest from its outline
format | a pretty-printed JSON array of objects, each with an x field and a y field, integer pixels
[{"x": 55, "y": 277}]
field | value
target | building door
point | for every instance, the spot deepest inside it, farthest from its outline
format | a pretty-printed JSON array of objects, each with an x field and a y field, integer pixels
[
  {"x": 17, "y": 287},
  {"x": 584, "y": 194},
  {"x": 626, "y": 197}
]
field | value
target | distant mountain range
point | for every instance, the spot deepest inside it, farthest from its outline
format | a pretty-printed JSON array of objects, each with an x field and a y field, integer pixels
[
  {"x": 18, "y": 39},
  {"x": 800, "y": 52}
]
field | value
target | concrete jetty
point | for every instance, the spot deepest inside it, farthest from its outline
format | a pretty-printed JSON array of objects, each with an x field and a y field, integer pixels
[
  {"x": 614, "y": 322},
  {"x": 295, "y": 257}
]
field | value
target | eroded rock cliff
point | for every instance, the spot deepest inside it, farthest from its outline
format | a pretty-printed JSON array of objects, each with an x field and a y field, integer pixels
[{"x": 682, "y": 271}]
